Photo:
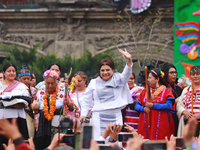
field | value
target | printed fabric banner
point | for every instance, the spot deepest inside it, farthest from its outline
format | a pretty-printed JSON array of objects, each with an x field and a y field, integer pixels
[{"x": 186, "y": 35}]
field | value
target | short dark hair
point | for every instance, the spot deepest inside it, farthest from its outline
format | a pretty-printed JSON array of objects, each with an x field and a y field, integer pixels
[
  {"x": 195, "y": 70},
  {"x": 62, "y": 76},
  {"x": 107, "y": 61},
  {"x": 32, "y": 75},
  {"x": 7, "y": 65},
  {"x": 54, "y": 64},
  {"x": 133, "y": 74}
]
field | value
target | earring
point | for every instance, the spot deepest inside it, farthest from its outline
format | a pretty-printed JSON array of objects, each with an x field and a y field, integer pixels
[{"x": 157, "y": 85}]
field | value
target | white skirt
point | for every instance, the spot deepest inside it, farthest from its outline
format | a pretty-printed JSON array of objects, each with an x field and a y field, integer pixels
[{"x": 101, "y": 119}]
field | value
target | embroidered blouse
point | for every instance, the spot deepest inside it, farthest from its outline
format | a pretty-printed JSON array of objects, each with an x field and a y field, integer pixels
[
  {"x": 59, "y": 98},
  {"x": 42, "y": 85},
  {"x": 74, "y": 97},
  {"x": 20, "y": 90},
  {"x": 131, "y": 116}
]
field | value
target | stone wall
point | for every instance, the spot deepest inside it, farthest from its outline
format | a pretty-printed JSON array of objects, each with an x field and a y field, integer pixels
[{"x": 72, "y": 31}]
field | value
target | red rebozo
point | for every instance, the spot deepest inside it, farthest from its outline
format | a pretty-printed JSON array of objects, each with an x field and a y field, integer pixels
[{"x": 161, "y": 125}]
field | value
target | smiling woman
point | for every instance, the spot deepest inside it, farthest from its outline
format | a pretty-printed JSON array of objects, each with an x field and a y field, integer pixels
[
  {"x": 109, "y": 93},
  {"x": 188, "y": 104},
  {"x": 106, "y": 67},
  {"x": 78, "y": 91},
  {"x": 13, "y": 99}
]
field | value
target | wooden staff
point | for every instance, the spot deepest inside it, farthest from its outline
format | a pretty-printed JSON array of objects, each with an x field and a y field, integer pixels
[
  {"x": 192, "y": 95},
  {"x": 147, "y": 92},
  {"x": 66, "y": 90}
]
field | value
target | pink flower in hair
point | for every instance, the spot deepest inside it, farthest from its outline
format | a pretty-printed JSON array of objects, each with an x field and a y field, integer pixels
[{"x": 51, "y": 73}]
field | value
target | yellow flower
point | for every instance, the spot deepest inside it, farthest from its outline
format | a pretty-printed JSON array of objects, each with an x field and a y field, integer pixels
[{"x": 73, "y": 82}]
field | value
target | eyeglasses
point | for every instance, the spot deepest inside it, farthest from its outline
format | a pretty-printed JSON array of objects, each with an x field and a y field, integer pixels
[{"x": 173, "y": 72}]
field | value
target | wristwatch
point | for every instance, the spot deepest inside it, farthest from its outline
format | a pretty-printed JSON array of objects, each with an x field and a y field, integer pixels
[{"x": 111, "y": 140}]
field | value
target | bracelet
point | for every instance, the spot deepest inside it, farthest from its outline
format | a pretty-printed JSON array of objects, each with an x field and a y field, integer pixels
[
  {"x": 35, "y": 118},
  {"x": 193, "y": 145},
  {"x": 18, "y": 141}
]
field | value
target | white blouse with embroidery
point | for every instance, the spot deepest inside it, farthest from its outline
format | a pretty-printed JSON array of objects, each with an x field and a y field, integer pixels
[
  {"x": 20, "y": 90},
  {"x": 59, "y": 98}
]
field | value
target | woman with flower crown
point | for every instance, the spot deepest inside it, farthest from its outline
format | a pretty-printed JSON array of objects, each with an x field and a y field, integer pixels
[
  {"x": 51, "y": 99},
  {"x": 155, "y": 122}
]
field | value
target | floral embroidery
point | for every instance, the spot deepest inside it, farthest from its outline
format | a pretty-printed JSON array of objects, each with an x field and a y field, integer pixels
[
  {"x": 42, "y": 93},
  {"x": 61, "y": 96}
]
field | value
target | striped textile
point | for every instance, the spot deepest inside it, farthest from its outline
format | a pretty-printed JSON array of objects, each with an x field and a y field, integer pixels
[
  {"x": 187, "y": 100},
  {"x": 132, "y": 118},
  {"x": 131, "y": 115}
]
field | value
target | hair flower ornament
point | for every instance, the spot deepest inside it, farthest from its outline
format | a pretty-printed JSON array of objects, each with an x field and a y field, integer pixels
[
  {"x": 73, "y": 82},
  {"x": 162, "y": 74},
  {"x": 50, "y": 73}
]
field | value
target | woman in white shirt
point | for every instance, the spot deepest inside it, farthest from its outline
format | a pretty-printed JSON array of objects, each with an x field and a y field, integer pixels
[
  {"x": 110, "y": 94},
  {"x": 14, "y": 97},
  {"x": 78, "y": 91}
]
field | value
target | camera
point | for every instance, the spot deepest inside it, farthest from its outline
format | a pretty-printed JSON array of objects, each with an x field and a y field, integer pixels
[
  {"x": 69, "y": 139},
  {"x": 123, "y": 129},
  {"x": 106, "y": 147},
  {"x": 154, "y": 145},
  {"x": 141, "y": 76},
  {"x": 66, "y": 123},
  {"x": 123, "y": 137},
  {"x": 180, "y": 143}
]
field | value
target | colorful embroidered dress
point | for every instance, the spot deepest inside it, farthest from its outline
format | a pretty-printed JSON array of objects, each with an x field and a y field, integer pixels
[
  {"x": 59, "y": 98},
  {"x": 131, "y": 115},
  {"x": 46, "y": 129},
  {"x": 160, "y": 118}
]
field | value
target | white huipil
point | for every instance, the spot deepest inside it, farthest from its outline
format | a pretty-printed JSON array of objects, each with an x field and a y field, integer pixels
[
  {"x": 109, "y": 98},
  {"x": 20, "y": 90}
]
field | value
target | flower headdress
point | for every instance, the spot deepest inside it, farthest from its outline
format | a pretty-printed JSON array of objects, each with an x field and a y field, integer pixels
[
  {"x": 162, "y": 74},
  {"x": 50, "y": 73}
]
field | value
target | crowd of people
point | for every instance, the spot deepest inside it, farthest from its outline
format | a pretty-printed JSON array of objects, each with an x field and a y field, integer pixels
[{"x": 163, "y": 110}]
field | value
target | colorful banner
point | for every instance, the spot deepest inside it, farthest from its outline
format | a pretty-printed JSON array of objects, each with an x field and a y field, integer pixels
[{"x": 186, "y": 35}]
